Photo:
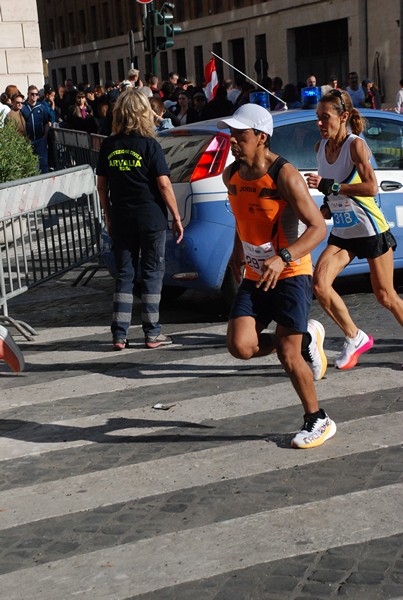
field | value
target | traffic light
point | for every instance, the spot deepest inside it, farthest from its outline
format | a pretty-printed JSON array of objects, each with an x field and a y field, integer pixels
[
  {"x": 159, "y": 30},
  {"x": 170, "y": 30}
]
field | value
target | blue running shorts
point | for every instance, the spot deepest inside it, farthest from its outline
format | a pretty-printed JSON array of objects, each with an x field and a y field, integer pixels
[{"x": 288, "y": 304}]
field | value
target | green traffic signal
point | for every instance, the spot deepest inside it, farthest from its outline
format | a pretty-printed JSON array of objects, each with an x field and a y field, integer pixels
[{"x": 159, "y": 30}]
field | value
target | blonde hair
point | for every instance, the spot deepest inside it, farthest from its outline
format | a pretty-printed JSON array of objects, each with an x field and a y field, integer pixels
[
  {"x": 132, "y": 114},
  {"x": 337, "y": 98}
]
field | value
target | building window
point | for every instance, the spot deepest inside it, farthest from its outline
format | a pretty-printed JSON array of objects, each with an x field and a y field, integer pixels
[
  {"x": 54, "y": 79},
  {"x": 121, "y": 69},
  {"x": 180, "y": 59},
  {"x": 84, "y": 73},
  {"x": 119, "y": 17},
  {"x": 95, "y": 73},
  {"x": 106, "y": 20},
  {"x": 199, "y": 65},
  {"x": 108, "y": 70},
  {"x": 198, "y": 9},
  {"x": 217, "y": 49},
  {"x": 74, "y": 74},
  {"x": 62, "y": 33},
  {"x": 261, "y": 64},
  {"x": 72, "y": 29},
  {"x": 83, "y": 26},
  {"x": 52, "y": 34},
  {"x": 94, "y": 23}
]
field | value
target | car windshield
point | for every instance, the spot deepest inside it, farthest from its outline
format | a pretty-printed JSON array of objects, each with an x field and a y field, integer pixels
[
  {"x": 183, "y": 152},
  {"x": 296, "y": 142}
]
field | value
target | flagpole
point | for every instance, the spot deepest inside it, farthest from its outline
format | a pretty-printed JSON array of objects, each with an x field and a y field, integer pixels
[{"x": 250, "y": 79}]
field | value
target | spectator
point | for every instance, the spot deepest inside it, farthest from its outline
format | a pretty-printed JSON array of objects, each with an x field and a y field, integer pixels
[
  {"x": 15, "y": 114},
  {"x": 277, "y": 90},
  {"x": 399, "y": 99},
  {"x": 104, "y": 117},
  {"x": 311, "y": 93},
  {"x": 9, "y": 351},
  {"x": 4, "y": 108},
  {"x": 290, "y": 96},
  {"x": 59, "y": 102},
  {"x": 243, "y": 98},
  {"x": 81, "y": 117},
  {"x": 168, "y": 91},
  {"x": 173, "y": 78},
  {"x": 133, "y": 76},
  {"x": 49, "y": 100},
  {"x": 37, "y": 118},
  {"x": 136, "y": 194},
  {"x": 154, "y": 86},
  {"x": 182, "y": 85},
  {"x": 69, "y": 96},
  {"x": 184, "y": 111},
  {"x": 355, "y": 90},
  {"x": 372, "y": 98},
  {"x": 219, "y": 106},
  {"x": 199, "y": 101},
  {"x": 90, "y": 95},
  {"x": 161, "y": 122},
  {"x": 236, "y": 89}
]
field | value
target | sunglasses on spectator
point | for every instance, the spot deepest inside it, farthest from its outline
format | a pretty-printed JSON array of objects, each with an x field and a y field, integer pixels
[{"x": 33, "y": 93}]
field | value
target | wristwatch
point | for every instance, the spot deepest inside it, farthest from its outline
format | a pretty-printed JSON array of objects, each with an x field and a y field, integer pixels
[
  {"x": 335, "y": 188},
  {"x": 285, "y": 255}
]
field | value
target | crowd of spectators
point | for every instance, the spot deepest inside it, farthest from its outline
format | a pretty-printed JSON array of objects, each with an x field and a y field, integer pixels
[{"x": 86, "y": 107}]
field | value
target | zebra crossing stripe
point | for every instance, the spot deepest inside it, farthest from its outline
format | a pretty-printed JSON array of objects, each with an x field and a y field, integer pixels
[
  {"x": 232, "y": 461},
  {"x": 29, "y": 438},
  {"x": 171, "y": 559}
]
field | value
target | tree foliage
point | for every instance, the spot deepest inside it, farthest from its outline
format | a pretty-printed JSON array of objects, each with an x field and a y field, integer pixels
[{"x": 17, "y": 159}]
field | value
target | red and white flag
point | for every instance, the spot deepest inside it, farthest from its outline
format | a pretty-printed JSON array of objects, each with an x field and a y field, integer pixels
[{"x": 211, "y": 80}]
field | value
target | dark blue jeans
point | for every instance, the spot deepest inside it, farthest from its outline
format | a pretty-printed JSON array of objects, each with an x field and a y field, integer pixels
[
  {"x": 150, "y": 247},
  {"x": 40, "y": 148}
]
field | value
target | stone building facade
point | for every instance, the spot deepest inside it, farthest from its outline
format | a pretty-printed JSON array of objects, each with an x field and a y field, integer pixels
[
  {"x": 87, "y": 40},
  {"x": 20, "y": 46}
]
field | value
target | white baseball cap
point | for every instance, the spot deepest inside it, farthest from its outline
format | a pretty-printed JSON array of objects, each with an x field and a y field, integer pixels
[{"x": 249, "y": 116}]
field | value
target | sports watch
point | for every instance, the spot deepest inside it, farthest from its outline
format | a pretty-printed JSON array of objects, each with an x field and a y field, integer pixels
[
  {"x": 335, "y": 188},
  {"x": 285, "y": 255}
]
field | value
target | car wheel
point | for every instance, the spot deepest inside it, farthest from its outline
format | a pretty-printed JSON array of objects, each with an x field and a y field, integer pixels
[{"x": 172, "y": 292}]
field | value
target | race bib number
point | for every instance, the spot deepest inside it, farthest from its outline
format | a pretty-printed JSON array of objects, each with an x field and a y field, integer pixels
[
  {"x": 256, "y": 255},
  {"x": 343, "y": 214}
]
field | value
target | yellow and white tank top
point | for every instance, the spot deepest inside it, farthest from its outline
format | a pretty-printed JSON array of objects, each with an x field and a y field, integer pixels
[
  {"x": 265, "y": 222},
  {"x": 353, "y": 216}
]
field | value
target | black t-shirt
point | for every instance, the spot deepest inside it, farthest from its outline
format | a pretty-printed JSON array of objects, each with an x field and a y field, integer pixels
[{"x": 132, "y": 163}]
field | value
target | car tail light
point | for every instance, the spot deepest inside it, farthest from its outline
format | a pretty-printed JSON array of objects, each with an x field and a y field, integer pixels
[{"x": 213, "y": 159}]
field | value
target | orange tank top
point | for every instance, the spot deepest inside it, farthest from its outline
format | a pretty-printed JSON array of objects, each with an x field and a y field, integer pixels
[{"x": 264, "y": 220}]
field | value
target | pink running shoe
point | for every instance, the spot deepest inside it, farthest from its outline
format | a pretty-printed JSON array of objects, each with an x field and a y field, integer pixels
[
  {"x": 352, "y": 349},
  {"x": 9, "y": 351}
]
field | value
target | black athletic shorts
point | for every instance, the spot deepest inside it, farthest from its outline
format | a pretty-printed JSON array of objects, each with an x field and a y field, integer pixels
[{"x": 366, "y": 247}]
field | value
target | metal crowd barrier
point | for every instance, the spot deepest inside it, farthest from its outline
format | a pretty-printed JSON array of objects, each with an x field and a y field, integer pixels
[
  {"x": 70, "y": 148},
  {"x": 49, "y": 224}
]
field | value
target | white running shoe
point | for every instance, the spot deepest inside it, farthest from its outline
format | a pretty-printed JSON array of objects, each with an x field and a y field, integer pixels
[
  {"x": 314, "y": 353},
  {"x": 315, "y": 431},
  {"x": 9, "y": 351},
  {"x": 352, "y": 348}
]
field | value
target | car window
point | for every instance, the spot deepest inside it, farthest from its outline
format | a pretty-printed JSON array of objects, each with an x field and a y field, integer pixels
[
  {"x": 296, "y": 142},
  {"x": 384, "y": 137},
  {"x": 182, "y": 153}
]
